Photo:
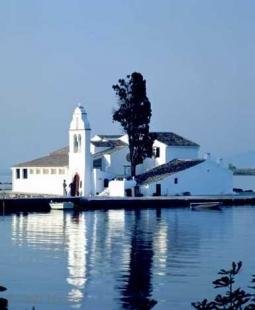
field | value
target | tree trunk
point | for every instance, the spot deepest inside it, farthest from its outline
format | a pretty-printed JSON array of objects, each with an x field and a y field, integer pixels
[{"x": 131, "y": 153}]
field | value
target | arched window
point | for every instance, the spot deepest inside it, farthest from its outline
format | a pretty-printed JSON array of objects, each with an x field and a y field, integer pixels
[
  {"x": 75, "y": 144},
  {"x": 79, "y": 143}
]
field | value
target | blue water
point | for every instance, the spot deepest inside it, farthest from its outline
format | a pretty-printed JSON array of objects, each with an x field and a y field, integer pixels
[
  {"x": 116, "y": 259},
  {"x": 244, "y": 181},
  {"x": 5, "y": 175},
  {"x": 5, "y": 179}
]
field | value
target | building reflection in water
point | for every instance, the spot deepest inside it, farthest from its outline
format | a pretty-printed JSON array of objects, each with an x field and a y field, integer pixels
[
  {"x": 117, "y": 242},
  {"x": 76, "y": 248},
  {"x": 161, "y": 246},
  {"x": 111, "y": 240},
  {"x": 54, "y": 231},
  {"x": 116, "y": 254}
]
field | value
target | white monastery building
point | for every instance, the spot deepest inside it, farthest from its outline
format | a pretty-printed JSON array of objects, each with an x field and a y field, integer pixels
[{"x": 99, "y": 165}]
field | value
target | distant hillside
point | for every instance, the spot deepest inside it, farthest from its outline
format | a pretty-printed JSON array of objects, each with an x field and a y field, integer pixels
[{"x": 243, "y": 160}]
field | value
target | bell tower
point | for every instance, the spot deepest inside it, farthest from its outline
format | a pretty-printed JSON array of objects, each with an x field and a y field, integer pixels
[{"x": 80, "y": 168}]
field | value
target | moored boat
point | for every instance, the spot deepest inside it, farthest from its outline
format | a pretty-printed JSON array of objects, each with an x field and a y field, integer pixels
[
  {"x": 214, "y": 205},
  {"x": 66, "y": 205}
]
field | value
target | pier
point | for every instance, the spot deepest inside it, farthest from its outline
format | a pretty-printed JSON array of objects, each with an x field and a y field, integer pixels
[
  {"x": 159, "y": 202},
  {"x": 40, "y": 203}
]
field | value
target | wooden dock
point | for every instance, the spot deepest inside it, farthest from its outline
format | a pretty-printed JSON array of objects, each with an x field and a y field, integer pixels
[
  {"x": 31, "y": 204},
  {"x": 41, "y": 204}
]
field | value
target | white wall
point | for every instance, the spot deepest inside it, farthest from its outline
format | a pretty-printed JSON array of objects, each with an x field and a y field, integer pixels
[
  {"x": 181, "y": 152},
  {"x": 167, "y": 153},
  {"x": 162, "y": 155},
  {"x": 98, "y": 180},
  {"x": 117, "y": 187},
  {"x": 152, "y": 162},
  {"x": 112, "y": 166},
  {"x": 80, "y": 161},
  {"x": 116, "y": 161},
  {"x": 40, "y": 183},
  {"x": 207, "y": 178},
  {"x": 96, "y": 138},
  {"x": 124, "y": 138}
]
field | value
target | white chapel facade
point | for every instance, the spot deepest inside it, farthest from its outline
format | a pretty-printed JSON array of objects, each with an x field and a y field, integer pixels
[{"x": 99, "y": 165}]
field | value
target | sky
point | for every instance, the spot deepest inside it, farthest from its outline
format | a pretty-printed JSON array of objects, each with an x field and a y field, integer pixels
[{"x": 197, "y": 56}]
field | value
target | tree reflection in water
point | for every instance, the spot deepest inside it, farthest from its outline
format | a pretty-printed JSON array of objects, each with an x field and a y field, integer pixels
[{"x": 137, "y": 288}]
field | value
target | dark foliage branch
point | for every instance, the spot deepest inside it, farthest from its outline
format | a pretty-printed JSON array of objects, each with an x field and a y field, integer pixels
[
  {"x": 234, "y": 298},
  {"x": 134, "y": 113}
]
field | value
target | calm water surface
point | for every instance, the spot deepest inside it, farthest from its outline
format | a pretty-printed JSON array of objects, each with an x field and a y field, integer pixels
[
  {"x": 244, "y": 181},
  {"x": 121, "y": 259}
]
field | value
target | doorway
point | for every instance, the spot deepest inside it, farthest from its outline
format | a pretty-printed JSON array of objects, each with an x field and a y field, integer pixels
[
  {"x": 75, "y": 185},
  {"x": 158, "y": 189}
]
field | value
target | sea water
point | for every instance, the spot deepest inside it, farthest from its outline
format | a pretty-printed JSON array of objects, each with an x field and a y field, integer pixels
[
  {"x": 246, "y": 182},
  {"x": 5, "y": 179},
  {"x": 122, "y": 259}
]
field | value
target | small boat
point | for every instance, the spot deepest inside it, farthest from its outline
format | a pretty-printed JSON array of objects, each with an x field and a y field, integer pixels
[
  {"x": 214, "y": 205},
  {"x": 66, "y": 205}
]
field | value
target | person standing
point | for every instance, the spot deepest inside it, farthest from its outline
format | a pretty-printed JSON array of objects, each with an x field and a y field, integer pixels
[{"x": 64, "y": 188}]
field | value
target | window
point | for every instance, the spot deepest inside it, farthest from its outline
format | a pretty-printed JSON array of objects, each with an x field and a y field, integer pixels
[
  {"x": 38, "y": 171},
  {"x": 61, "y": 171},
  {"x": 79, "y": 143},
  {"x": 175, "y": 180},
  {"x": 24, "y": 173},
  {"x": 137, "y": 191},
  {"x": 97, "y": 163},
  {"x": 45, "y": 171},
  {"x": 128, "y": 192},
  {"x": 75, "y": 144},
  {"x": 31, "y": 171},
  {"x": 156, "y": 152},
  {"x": 17, "y": 173},
  {"x": 53, "y": 171},
  {"x": 106, "y": 183}
]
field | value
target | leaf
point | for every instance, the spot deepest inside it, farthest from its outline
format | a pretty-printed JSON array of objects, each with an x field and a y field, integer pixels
[
  {"x": 253, "y": 278},
  {"x": 2, "y": 288},
  {"x": 204, "y": 305},
  {"x": 236, "y": 268},
  {"x": 223, "y": 282}
]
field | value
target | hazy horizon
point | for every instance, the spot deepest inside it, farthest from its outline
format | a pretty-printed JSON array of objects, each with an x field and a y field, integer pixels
[{"x": 198, "y": 58}]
